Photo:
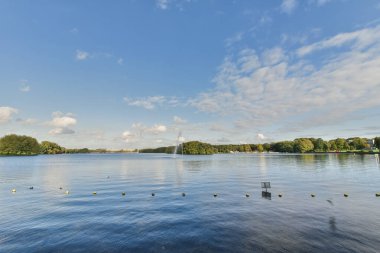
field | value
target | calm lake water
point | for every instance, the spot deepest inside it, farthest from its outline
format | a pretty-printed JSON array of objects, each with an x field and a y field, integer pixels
[{"x": 45, "y": 219}]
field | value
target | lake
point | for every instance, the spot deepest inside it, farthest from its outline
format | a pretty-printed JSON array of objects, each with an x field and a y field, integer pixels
[{"x": 45, "y": 219}]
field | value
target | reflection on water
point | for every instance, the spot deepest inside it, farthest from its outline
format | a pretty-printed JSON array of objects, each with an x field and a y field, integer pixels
[
  {"x": 266, "y": 195},
  {"x": 332, "y": 224},
  {"x": 45, "y": 219}
]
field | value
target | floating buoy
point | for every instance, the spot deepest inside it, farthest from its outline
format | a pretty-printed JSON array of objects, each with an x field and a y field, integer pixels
[
  {"x": 183, "y": 194},
  {"x": 123, "y": 193},
  {"x": 378, "y": 194},
  {"x": 13, "y": 190},
  {"x": 93, "y": 193},
  {"x": 67, "y": 192},
  {"x": 215, "y": 195},
  {"x": 280, "y": 195},
  {"x": 346, "y": 195},
  {"x": 153, "y": 194},
  {"x": 312, "y": 195},
  {"x": 247, "y": 195},
  {"x": 31, "y": 188}
]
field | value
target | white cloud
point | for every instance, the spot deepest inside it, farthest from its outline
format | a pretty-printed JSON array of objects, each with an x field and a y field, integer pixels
[
  {"x": 29, "y": 121},
  {"x": 321, "y": 2},
  {"x": 152, "y": 102},
  {"x": 179, "y": 120},
  {"x": 157, "y": 129},
  {"x": 139, "y": 131},
  {"x": 265, "y": 19},
  {"x": 60, "y": 120},
  {"x": 261, "y": 137},
  {"x": 358, "y": 40},
  {"x": 148, "y": 103},
  {"x": 178, "y": 4},
  {"x": 6, "y": 113},
  {"x": 62, "y": 123},
  {"x": 234, "y": 39},
  {"x": 127, "y": 136},
  {"x": 273, "y": 56},
  {"x": 58, "y": 131},
  {"x": 25, "y": 88},
  {"x": 162, "y": 4},
  {"x": 288, "y": 6},
  {"x": 81, "y": 55},
  {"x": 282, "y": 91}
]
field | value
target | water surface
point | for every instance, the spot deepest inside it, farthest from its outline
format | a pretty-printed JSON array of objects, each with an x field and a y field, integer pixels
[{"x": 45, "y": 219}]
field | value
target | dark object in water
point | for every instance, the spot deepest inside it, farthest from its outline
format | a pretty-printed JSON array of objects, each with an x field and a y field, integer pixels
[
  {"x": 266, "y": 195},
  {"x": 312, "y": 195},
  {"x": 280, "y": 195},
  {"x": 247, "y": 195},
  {"x": 108, "y": 177},
  {"x": 93, "y": 193},
  {"x": 346, "y": 195},
  {"x": 378, "y": 194},
  {"x": 60, "y": 188},
  {"x": 153, "y": 194},
  {"x": 265, "y": 185},
  {"x": 183, "y": 194},
  {"x": 123, "y": 193},
  {"x": 215, "y": 195},
  {"x": 31, "y": 188},
  {"x": 330, "y": 201}
]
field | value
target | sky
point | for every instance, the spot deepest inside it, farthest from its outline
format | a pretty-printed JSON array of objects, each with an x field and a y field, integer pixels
[{"x": 135, "y": 74}]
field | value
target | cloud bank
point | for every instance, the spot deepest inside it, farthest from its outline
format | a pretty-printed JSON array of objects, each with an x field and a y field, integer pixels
[
  {"x": 279, "y": 86},
  {"x": 62, "y": 123},
  {"x": 6, "y": 113}
]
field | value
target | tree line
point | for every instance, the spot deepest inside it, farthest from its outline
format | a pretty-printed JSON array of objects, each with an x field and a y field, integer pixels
[
  {"x": 25, "y": 145},
  {"x": 299, "y": 145}
]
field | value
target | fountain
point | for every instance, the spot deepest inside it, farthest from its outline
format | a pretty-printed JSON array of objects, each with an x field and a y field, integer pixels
[{"x": 178, "y": 143}]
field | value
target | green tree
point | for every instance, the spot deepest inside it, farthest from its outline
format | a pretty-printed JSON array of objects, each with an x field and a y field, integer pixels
[
  {"x": 260, "y": 148},
  {"x": 303, "y": 145},
  {"x": 253, "y": 147},
  {"x": 48, "y": 147},
  {"x": 19, "y": 145},
  {"x": 245, "y": 148},
  {"x": 266, "y": 147},
  {"x": 332, "y": 145},
  {"x": 198, "y": 148},
  {"x": 377, "y": 142},
  {"x": 358, "y": 143},
  {"x": 341, "y": 144},
  {"x": 284, "y": 146},
  {"x": 320, "y": 145}
]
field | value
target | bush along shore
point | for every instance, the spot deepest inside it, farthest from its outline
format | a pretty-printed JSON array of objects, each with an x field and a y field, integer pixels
[
  {"x": 17, "y": 145},
  {"x": 21, "y": 145},
  {"x": 300, "y": 145}
]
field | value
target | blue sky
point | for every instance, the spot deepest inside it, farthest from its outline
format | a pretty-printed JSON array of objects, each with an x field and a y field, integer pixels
[{"x": 132, "y": 74}]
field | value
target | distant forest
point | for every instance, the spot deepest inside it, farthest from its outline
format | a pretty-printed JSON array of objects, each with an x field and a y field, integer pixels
[
  {"x": 25, "y": 145},
  {"x": 19, "y": 145},
  {"x": 300, "y": 145}
]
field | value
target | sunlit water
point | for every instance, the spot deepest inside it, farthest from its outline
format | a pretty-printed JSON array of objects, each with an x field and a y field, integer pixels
[{"x": 45, "y": 219}]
